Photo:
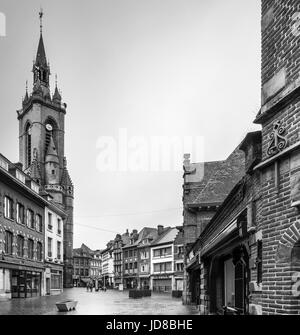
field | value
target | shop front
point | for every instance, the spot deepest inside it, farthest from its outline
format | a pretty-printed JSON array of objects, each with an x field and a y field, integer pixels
[
  {"x": 144, "y": 282},
  {"x": 25, "y": 284},
  {"x": 162, "y": 284}
]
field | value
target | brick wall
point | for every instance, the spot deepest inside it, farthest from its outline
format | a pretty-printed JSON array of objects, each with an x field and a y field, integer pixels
[
  {"x": 279, "y": 220},
  {"x": 280, "y": 45}
]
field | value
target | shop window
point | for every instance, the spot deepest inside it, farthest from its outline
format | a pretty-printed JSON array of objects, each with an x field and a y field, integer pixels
[
  {"x": 56, "y": 281},
  {"x": 20, "y": 214},
  {"x": 8, "y": 242},
  {"x": 8, "y": 208},
  {"x": 20, "y": 246},
  {"x": 30, "y": 245}
]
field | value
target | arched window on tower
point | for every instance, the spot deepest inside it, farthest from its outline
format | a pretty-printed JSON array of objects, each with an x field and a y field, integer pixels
[{"x": 28, "y": 144}]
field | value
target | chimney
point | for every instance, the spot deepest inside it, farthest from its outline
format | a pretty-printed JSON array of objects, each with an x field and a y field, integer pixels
[
  {"x": 187, "y": 160},
  {"x": 160, "y": 229}
]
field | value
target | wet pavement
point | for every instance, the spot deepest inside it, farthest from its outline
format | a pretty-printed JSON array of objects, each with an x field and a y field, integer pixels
[{"x": 110, "y": 302}]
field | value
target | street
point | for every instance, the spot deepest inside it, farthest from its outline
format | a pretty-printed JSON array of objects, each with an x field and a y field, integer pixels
[{"x": 98, "y": 303}]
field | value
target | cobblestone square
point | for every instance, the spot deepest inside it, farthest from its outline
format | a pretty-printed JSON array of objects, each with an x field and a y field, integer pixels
[{"x": 110, "y": 302}]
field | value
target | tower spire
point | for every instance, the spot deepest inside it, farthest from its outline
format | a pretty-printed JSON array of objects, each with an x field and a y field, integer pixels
[
  {"x": 41, "y": 13},
  {"x": 41, "y": 68}
]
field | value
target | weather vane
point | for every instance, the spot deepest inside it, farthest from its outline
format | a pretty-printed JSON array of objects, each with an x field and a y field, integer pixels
[{"x": 41, "y": 13}]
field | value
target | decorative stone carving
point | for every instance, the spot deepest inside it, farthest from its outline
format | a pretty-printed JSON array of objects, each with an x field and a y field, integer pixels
[{"x": 278, "y": 141}]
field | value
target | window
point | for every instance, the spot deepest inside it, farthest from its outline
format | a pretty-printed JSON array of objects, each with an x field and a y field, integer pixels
[
  {"x": 126, "y": 266},
  {"x": 49, "y": 221},
  {"x": 135, "y": 265},
  {"x": 58, "y": 250},
  {"x": 126, "y": 254},
  {"x": 8, "y": 242},
  {"x": 49, "y": 247},
  {"x": 8, "y": 208},
  {"x": 20, "y": 246},
  {"x": 59, "y": 226},
  {"x": 86, "y": 272},
  {"x": 39, "y": 223},
  {"x": 56, "y": 281},
  {"x": 20, "y": 213},
  {"x": 28, "y": 144},
  {"x": 162, "y": 252},
  {"x": 179, "y": 267},
  {"x": 39, "y": 249},
  {"x": 259, "y": 262},
  {"x": 163, "y": 267},
  {"x": 30, "y": 219},
  {"x": 30, "y": 248}
]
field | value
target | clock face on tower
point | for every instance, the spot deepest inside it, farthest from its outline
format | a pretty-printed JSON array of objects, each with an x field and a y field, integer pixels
[{"x": 49, "y": 127}]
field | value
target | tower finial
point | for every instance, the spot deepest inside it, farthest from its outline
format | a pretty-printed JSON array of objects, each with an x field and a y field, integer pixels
[
  {"x": 41, "y": 13},
  {"x": 26, "y": 86},
  {"x": 56, "y": 80}
]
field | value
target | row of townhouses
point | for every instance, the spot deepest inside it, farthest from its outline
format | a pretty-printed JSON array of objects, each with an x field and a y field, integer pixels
[
  {"x": 36, "y": 196},
  {"x": 149, "y": 259},
  {"x": 241, "y": 224}
]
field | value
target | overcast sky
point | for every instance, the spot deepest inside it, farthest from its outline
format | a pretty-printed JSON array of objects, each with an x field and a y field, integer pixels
[{"x": 152, "y": 67}]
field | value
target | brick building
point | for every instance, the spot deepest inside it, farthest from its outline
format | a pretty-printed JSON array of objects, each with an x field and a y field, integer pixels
[
  {"x": 82, "y": 258},
  {"x": 96, "y": 267},
  {"x": 205, "y": 187},
  {"x": 228, "y": 249},
  {"x": 146, "y": 238},
  {"x": 280, "y": 166},
  {"x": 178, "y": 262},
  {"x": 25, "y": 270},
  {"x": 54, "y": 219},
  {"x": 130, "y": 262},
  {"x": 119, "y": 242},
  {"x": 107, "y": 265}
]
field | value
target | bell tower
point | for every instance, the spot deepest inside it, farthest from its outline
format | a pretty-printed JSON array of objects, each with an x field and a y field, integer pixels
[{"x": 41, "y": 145}]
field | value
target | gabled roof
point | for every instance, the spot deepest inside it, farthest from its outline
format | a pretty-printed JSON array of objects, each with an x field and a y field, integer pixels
[
  {"x": 146, "y": 231},
  {"x": 168, "y": 236},
  {"x": 222, "y": 178}
]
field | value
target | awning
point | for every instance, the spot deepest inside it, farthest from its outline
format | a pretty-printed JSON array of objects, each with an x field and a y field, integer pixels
[{"x": 219, "y": 237}]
